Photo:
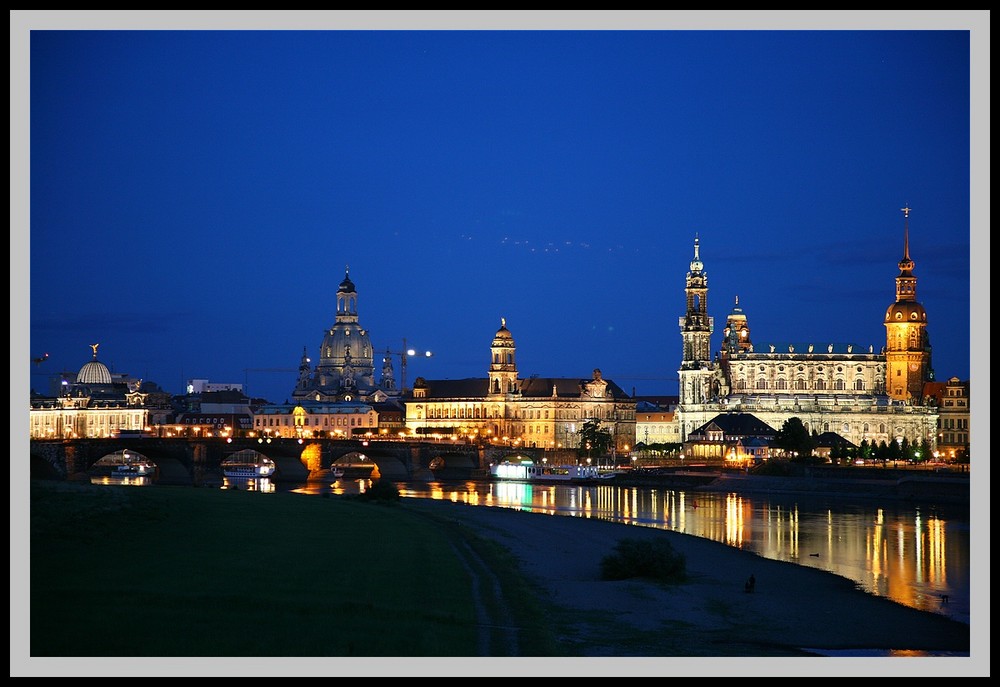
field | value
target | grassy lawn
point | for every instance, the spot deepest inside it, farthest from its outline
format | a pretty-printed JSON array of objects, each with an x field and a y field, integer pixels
[{"x": 189, "y": 572}]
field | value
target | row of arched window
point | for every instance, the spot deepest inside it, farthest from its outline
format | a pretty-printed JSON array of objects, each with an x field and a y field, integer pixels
[{"x": 763, "y": 384}]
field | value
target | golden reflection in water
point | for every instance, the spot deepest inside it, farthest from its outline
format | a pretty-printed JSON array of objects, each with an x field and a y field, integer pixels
[
  {"x": 936, "y": 551},
  {"x": 736, "y": 511},
  {"x": 138, "y": 481},
  {"x": 264, "y": 485}
]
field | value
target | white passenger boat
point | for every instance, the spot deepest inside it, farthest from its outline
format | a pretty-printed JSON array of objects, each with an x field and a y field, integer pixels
[
  {"x": 139, "y": 468},
  {"x": 248, "y": 464},
  {"x": 123, "y": 464},
  {"x": 530, "y": 472}
]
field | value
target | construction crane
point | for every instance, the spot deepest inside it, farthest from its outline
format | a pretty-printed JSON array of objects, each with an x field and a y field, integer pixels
[{"x": 404, "y": 355}]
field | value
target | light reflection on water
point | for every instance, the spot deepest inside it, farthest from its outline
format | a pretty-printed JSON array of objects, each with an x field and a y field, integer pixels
[{"x": 912, "y": 554}]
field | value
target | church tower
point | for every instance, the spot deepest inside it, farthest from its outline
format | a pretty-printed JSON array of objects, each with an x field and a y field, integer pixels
[
  {"x": 696, "y": 370},
  {"x": 736, "y": 335},
  {"x": 907, "y": 343},
  {"x": 388, "y": 377},
  {"x": 503, "y": 366}
]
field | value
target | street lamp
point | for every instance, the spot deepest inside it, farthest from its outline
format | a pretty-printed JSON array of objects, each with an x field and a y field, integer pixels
[{"x": 404, "y": 355}]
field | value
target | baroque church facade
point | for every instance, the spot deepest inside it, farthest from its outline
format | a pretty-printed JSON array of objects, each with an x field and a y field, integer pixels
[
  {"x": 345, "y": 371},
  {"x": 856, "y": 392}
]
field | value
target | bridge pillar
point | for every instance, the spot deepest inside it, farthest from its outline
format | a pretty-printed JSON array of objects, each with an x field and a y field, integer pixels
[
  {"x": 75, "y": 461},
  {"x": 199, "y": 461}
]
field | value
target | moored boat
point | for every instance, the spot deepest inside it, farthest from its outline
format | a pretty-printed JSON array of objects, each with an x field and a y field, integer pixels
[
  {"x": 530, "y": 472},
  {"x": 248, "y": 464},
  {"x": 139, "y": 468},
  {"x": 123, "y": 464}
]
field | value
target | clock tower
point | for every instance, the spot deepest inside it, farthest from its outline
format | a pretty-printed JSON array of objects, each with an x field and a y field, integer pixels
[{"x": 907, "y": 344}]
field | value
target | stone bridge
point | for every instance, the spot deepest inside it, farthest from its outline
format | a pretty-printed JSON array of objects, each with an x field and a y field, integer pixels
[{"x": 198, "y": 461}]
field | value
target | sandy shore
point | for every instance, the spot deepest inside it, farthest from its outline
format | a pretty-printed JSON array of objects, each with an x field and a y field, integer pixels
[{"x": 794, "y": 610}]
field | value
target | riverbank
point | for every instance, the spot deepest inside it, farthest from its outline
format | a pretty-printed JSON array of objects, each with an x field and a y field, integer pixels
[
  {"x": 890, "y": 484},
  {"x": 793, "y": 610},
  {"x": 615, "y": 628}
]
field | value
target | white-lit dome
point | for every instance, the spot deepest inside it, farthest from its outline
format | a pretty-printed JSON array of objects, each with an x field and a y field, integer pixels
[{"x": 94, "y": 372}]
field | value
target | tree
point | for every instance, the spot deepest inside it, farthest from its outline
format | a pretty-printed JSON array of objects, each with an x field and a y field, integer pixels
[
  {"x": 793, "y": 437},
  {"x": 924, "y": 453},
  {"x": 593, "y": 439}
]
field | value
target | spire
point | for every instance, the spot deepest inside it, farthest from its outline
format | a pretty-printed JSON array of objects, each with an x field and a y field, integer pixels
[
  {"x": 906, "y": 231},
  {"x": 906, "y": 264},
  {"x": 696, "y": 264}
]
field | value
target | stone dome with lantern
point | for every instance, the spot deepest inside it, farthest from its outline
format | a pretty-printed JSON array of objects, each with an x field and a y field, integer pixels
[{"x": 345, "y": 369}]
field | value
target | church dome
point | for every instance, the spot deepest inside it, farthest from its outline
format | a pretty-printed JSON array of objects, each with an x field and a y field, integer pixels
[
  {"x": 94, "y": 372},
  {"x": 905, "y": 311},
  {"x": 347, "y": 342}
]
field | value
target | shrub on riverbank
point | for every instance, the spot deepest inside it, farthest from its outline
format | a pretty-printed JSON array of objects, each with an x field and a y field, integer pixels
[
  {"x": 655, "y": 560},
  {"x": 381, "y": 491}
]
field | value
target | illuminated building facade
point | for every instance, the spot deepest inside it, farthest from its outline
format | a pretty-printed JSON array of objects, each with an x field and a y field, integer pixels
[
  {"x": 732, "y": 439},
  {"x": 854, "y": 391},
  {"x": 504, "y": 408},
  {"x": 91, "y": 406},
  {"x": 308, "y": 419},
  {"x": 953, "y": 401},
  {"x": 345, "y": 371},
  {"x": 655, "y": 424}
]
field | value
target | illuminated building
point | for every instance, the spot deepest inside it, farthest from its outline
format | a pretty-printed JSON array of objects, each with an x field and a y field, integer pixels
[
  {"x": 854, "y": 391},
  {"x": 952, "y": 398},
  {"x": 732, "y": 439},
  {"x": 655, "y": 423},
  {"x": 307, "y": 419},
  {"x": 93, "y": 405},
  {"x": 540, "y": 412},
  {"x": 345, "y": 371}
]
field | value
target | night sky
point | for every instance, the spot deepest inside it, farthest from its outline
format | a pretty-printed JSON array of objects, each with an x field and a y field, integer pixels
[{"x": 196, "y": 196}]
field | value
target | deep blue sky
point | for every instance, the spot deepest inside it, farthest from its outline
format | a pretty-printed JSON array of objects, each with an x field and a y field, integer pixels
[{"x": 196, "y": 196}]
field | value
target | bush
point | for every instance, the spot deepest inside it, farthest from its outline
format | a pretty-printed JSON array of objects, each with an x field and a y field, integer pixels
[
  {"x": 653, "y": 559},
  {"x": 381, "y": 490}
]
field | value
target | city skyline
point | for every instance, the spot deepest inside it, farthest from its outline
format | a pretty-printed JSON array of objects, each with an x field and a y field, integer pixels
[{"x": 214, "y": 186}]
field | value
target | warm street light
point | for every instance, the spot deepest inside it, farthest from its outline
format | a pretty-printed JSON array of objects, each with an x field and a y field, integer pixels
[{"x": 404, "y": 355}]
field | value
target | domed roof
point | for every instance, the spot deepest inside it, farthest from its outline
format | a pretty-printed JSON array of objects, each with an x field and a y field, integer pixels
[
  {"x": 94, "y": 372},
  {"x": 737, "y": 312},
  {"x": 905, "y": 311},
  {"x": 503, "y": 334},
  {"x": 343, "y": 337},
  {"x": 347, "y": 286}
]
